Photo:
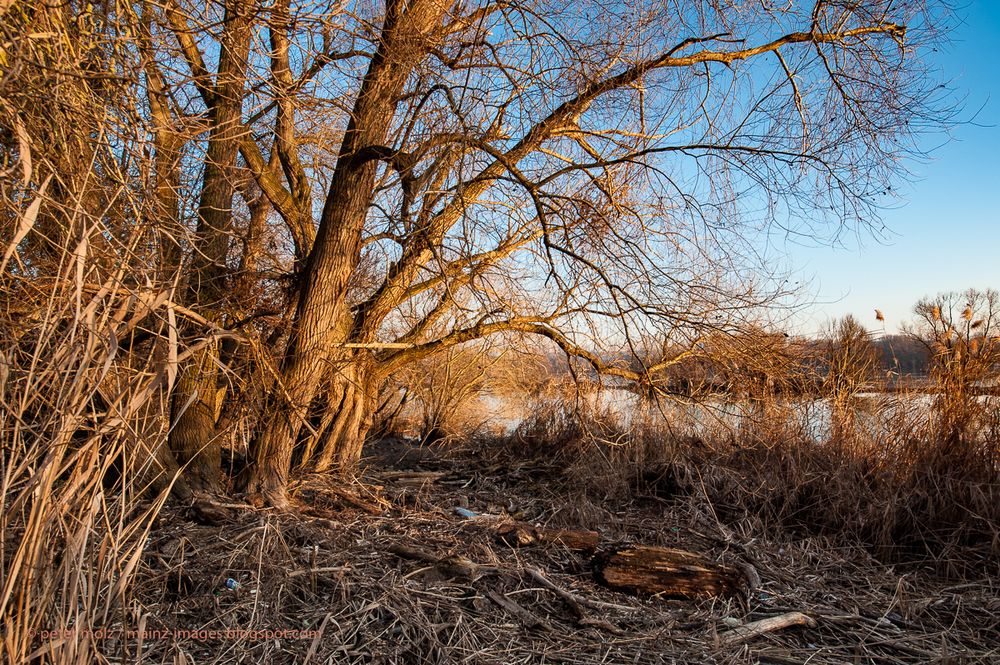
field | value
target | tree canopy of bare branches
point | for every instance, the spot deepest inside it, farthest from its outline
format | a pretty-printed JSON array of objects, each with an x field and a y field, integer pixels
[{"x": 320, "y": 194}]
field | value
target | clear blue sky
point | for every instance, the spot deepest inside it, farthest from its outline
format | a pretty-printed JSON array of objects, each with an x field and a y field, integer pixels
[{"x": 946, "y": 233}]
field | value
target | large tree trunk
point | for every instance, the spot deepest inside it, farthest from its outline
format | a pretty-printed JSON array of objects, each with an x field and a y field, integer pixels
[
  {"x": 195, "y": 402},
  {"x": 158, "y": 466},
  {"x": 194, "y": 406},
  {"x": 341, "y": 417},
  {"x": 316, "y": 338}
]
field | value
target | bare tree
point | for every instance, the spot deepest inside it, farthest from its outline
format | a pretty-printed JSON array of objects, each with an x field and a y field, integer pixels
[
  {"x": 570, "y": 155},
  {"x": 193, "y": 437},
  {"x": 401, "y": 178},
  {"x": 852, "y": 361}
]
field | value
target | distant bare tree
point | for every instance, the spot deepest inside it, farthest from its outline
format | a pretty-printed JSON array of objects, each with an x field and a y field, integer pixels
[
  {"x": 852, "y": 363},
  {"x": 851, "y": 356}
]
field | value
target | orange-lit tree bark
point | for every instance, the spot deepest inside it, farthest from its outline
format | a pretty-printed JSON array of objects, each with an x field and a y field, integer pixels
[{"x": 406, "y": 36}]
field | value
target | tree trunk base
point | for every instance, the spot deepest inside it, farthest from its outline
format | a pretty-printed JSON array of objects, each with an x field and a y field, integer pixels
[
  {"x": 341, "y": 443},
  {"x": 193, "y": 438},
  {"x": 268, "y": 497}
]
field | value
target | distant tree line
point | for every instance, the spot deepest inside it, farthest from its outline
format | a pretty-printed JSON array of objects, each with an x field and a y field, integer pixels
[{"x": 954, "y": 338}]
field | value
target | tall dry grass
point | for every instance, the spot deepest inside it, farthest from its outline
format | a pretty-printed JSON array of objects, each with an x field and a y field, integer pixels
[
  {"x": 88, "y": 354},
  {"x": 887, "y": 478}
]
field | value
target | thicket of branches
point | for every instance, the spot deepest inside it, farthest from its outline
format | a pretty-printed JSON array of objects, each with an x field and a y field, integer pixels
[
  {"x": 227, "y": 225},
  {"x": 310, "y": 197}
]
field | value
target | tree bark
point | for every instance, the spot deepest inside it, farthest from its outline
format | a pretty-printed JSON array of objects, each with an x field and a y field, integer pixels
[
  {"x": 160, "y": 466},
  {"x": 342, "y": 443},
  {"x": 195, "y": 401},
  {"x": 316, "y": 337}
]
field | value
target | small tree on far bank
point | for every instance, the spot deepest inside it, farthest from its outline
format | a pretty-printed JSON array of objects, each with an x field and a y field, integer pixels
[
  {"x": 852, "y": 364},
  {"x": 961, "y": 331}
]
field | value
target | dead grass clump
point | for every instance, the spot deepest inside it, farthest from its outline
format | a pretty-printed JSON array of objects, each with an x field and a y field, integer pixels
[
  {"x": 919, "y": 506},
  {"x": 84, "y": 404},
  {"x": 932, "y": 513},
  {"x": 78, "y": 434},
  {"x": 887, "y": 484}
]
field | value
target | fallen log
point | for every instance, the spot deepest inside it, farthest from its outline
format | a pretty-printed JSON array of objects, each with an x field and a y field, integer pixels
[
  {"x": 520, "y": 534},
  {"x": 670, "y": 573}
]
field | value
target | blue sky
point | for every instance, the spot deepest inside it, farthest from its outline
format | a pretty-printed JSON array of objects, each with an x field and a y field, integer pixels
[{"x": 946, "y": 233}]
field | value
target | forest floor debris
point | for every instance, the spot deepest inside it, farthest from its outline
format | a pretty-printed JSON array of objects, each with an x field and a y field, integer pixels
[{"x": 384, "y": 571}]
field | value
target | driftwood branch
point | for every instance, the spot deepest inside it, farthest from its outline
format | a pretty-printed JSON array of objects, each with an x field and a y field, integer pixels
[
  {"x": 769, "y": 625},
  {"x": 453, "y": 566},
  {"x": 571, "y": 598},
  {"x": 523, "y": 615}
]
